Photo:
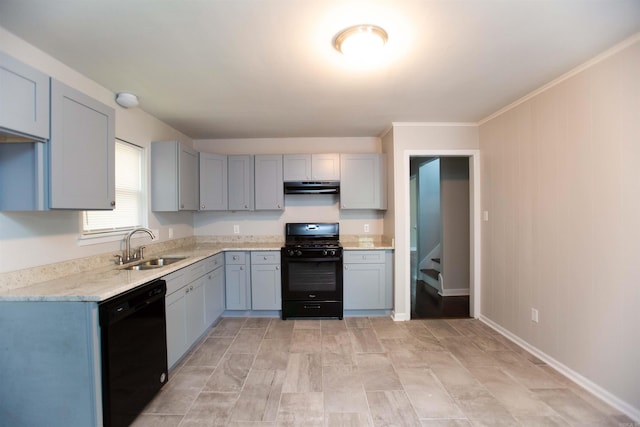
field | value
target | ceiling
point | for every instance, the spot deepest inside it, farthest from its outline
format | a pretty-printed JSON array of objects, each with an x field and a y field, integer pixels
[{"x": 267, "y": 68}]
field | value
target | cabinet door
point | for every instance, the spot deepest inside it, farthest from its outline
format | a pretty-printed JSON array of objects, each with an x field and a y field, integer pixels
[
  {"x": 188, "y": 179},
  {"x": 269, "y": 182},
  {"x": 365, "y": 287},
  {"x": 325, "y": 167},
  {"x": 24, "y": 99},
  {"x": 297, "y": 167},
  {"x": 266, "y": 287},
  {"x": 237, "y": 294},
  {"x": 362, "y": 181},
  {"x": 82, "y": 151},
  {"x": 213, "y": 182},
  {"x": 213, "y": 296},
  {"x": 195, "y": 310},
  {"x": 241, "y": 183},
  {"x": 176, "y": 312}
]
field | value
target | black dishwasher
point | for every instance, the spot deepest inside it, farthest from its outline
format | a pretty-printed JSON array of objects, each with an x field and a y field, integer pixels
[{"x": 134, "y": 351}]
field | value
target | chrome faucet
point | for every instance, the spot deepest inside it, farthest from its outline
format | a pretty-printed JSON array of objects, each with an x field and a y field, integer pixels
[{"x": 127, "y": 255}]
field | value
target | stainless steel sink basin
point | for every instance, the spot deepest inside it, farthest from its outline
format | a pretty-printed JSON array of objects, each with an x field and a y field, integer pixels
[
  {"x": 159, "y": 262},
  {"x": 153, "y": 263}
]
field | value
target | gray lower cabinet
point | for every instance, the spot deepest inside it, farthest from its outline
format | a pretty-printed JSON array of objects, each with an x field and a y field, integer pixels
[
  {"x": 174, "y": 177},
  {"x": 50, "y": 364},
  {"x": 363, "y": 181},
  {"x": 368, "y": 283},
  {"x": 24, "y": 101},
  {"x": 241, "y": 182},
  {"x": 269, "y": 182},
  {"x": 214, "y": 300},
  {"x": 266, "y": 288},
  {"x": 213, "y": 182},
  {"x": 193, "y": 303},
  {"x": 237, "y": 281}
]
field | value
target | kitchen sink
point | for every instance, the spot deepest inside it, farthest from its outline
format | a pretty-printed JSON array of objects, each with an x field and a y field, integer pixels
[{"x": 153, "y": 263}]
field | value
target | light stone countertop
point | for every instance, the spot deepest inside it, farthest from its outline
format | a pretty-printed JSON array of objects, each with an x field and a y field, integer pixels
[{"x": 102, "y": 283}]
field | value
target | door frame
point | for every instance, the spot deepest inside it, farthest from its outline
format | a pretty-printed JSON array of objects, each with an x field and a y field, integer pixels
[{"x": 404, "y": 250}]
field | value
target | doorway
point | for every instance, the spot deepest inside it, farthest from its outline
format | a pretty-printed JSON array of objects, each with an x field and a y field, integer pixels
[{"x": 440, "y": 237}]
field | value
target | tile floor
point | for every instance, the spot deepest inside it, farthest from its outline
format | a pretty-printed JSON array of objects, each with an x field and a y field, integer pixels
[{"x": 368, "y": 372}]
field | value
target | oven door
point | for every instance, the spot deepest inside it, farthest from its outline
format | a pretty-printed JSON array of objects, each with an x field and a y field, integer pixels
[{"x": 311, "y": 279}]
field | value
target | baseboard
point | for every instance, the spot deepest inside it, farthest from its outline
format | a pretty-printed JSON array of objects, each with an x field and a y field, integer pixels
[
  {"x": 609, "y": 398},
  {"x": 462, "y": 292}
]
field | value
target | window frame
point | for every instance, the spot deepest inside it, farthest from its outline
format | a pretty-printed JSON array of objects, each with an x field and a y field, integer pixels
[{"x": 113, "y": 234}]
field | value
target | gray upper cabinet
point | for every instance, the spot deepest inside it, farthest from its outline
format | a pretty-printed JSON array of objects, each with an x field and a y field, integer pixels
[
  {"x": 241, "y": 182},
  {"x": 317, "y": 167},
  {"x": 24, "y": 101},
  {"x": 363, "y": 181},
  {"x": 269, "y": 189},
  {"x": 213, "y": 182},
  {"x": 82, "y": 151},
  {"x": 174, "y": 177}
]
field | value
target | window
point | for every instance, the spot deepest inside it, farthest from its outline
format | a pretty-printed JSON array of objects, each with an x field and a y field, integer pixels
[{"x": 129, "y": 194}]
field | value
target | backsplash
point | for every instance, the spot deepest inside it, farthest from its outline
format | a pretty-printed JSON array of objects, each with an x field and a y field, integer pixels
[{"x": 20, "y": 278}]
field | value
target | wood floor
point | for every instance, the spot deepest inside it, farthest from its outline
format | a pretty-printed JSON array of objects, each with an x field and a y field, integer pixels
[
  {"x": 367, "y": 372},
  {"x": 427, "y": 304}
]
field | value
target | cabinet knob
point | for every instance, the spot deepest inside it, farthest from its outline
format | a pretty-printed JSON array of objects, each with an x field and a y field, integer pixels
[
  {"x": 113, "y": 203},
  {"x": 265, "y": 258},
  {"x": 346, "y": 267},
  {"x": 246, "y": 206},
  {"x": 277, "y": 267},
  {"x": 235, "y": 257},
  {"x": 202, "y": 207},
  {"x": 241, "y": 268},
  {"x": 181, "y": 206}
]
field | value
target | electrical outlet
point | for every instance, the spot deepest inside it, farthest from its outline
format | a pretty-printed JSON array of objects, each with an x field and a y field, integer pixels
[
  {"x": 366, "y": 228},
  {"x": 534, "y": 315},
  {"x": 236, "y": 229}
]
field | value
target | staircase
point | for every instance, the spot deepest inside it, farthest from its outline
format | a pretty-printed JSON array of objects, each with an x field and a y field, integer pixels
[{"x": 432, "y": 275}]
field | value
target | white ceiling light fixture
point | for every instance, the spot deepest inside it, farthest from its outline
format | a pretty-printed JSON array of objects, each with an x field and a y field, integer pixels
[
  {"x": 127, "y": 100},
  {"x": 361, "y": 41}
]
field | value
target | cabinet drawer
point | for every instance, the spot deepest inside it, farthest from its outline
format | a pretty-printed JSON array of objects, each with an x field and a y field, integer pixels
[
  {"x": 265, "y": 257},
  {"x": 195, "y": 270},
  {"x": 175, "y": 280},
  {"x": 214, "y": 262},
  {"x": 355, "y": 257},
  {"x": 235, "y": 258}
]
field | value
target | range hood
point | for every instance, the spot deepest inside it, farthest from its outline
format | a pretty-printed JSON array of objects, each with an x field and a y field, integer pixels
[{"x": 312, "y": 187}]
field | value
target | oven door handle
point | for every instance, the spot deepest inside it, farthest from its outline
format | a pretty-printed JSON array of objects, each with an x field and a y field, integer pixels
[{"x": 323, "y": 259}]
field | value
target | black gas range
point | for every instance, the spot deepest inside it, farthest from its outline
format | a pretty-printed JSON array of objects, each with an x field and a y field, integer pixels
[{"x": 312, "y": 271}]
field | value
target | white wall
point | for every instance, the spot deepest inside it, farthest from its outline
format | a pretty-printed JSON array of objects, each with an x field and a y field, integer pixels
[
  {"x": 420, "y": 139},
  {"x": 561, "y": 182},
  {"x": 298, "y": 208},
  {"x": 29, "y": 239},
  {"x": 454, "y": 199}
]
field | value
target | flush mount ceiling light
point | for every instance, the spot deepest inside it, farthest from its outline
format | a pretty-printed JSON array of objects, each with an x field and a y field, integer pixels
[
  {"x": 361, "y": 40},
  {"x": 127, "y": 100}
]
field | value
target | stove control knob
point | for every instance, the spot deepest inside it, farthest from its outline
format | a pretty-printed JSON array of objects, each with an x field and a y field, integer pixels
[
  {"x": 299, "y": 252},
  {"x": 332, "y": 252},
  {"x": 290, "y": 252},
  {"x": 325, "y": 252}
]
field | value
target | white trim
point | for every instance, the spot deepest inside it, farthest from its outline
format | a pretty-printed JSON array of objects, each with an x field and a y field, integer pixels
[
  {"x": 400, "y": 317},
  {"x": 112, "y": 236},
  {"x": 475, "y": 278},
  {"x": 590, "y": 386},
  {"x": 580, "y": 68},
  {"x": 461, "y": 292}
]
